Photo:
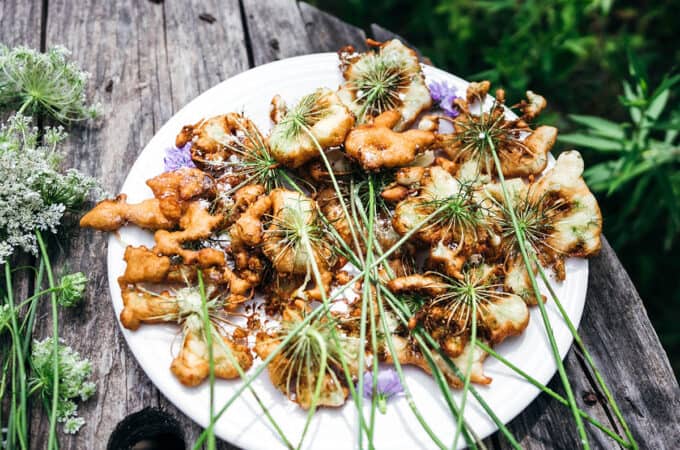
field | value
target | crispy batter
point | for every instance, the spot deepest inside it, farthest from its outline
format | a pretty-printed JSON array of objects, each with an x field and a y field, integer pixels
[
  {"x": 375, "y": 145},
  {"x": 175, "y": 190},
  {"x": 143, "y": 265},
  {"x": 196, "y": 224},
  {"x": 213, "y": 139},
  {"x": 142, "y": 306},
  {"x": 319, "y": 119},
  {"x": 521, "y": 150},
  {"x": 110, "y": 215},
  {"x": 191, "y": 366},
  {"x": 395, "y": 65}
]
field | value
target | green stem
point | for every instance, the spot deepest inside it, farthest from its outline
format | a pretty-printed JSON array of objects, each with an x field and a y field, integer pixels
[
  {"x": 468, "y": 373},
  {"x": 52, "y": 439},
  {"x": 546, "y": 321},
  {"x": 18, "y": 363},
  {"x": 589, "y": 359},
  {"x": 551, "y": 393}
]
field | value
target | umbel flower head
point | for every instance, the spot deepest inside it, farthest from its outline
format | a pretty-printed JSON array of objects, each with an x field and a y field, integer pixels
[
  {"x": 74, "y": 373},
  {"x": 72, "y": 289},
  {"x": 48, "y": 83},
  {"x": 34, "y": 193}
]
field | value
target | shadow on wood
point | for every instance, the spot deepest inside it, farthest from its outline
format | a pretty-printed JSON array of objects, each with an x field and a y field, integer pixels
[{"x": 150, "y": 428}]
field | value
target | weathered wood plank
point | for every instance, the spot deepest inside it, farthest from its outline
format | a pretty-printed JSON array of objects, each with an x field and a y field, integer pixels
[
  {"x": 202, "y": 52},
  {"x": 276, "y": 30},
  {"x": 327, "y": 33},
  {"x": 120, "y": 45},
  {"x": 20, "y": 23},
  {"x": 624, "y": 345}
]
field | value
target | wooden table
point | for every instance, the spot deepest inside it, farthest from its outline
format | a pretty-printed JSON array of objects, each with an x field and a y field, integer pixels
[{"x": 148, "y": 59}]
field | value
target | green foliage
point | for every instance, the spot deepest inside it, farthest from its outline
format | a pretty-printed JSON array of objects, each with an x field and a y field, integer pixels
[
  {"x": 73, "y": 373},
  {"x": 641, "y": 159}
]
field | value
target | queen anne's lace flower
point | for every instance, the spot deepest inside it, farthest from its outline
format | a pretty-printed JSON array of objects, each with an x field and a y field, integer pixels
[
  {"x": 73, "y": 374},
  {"x": 34, "y": 194}
]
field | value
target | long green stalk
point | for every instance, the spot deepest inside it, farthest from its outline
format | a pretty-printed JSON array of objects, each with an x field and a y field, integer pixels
[
  {"x": 436, "y": 371},
  {"x": 207, "y": 333},
  {"x": 52, "y": 439},
  {"x": 589, "y": 359},
  {"x": 551, "y": 393},
  {"x": 18, "y": 364},
  {"x": 546, "y": 321}
]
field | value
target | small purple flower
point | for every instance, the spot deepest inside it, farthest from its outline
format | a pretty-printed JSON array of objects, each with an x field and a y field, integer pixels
[
  {"x": 178, "y": 157},
  {"x": 444, "y": 94},
  {"x": 387, "y": 386}
]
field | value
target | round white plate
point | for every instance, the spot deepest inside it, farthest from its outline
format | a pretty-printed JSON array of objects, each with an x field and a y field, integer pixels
[{"x": 243, "y": 424}]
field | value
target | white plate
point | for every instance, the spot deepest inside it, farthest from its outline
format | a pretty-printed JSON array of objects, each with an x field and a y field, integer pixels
[{"x": 243, "y": 424}]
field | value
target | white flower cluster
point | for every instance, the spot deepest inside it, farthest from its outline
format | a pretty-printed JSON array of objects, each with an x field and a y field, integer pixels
[
  {"x": 34, "y": 193},
  {"x": 73, "y": 374}
]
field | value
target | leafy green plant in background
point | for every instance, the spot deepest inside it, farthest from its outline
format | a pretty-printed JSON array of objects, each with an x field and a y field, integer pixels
[{"x": 641, "y": 160}]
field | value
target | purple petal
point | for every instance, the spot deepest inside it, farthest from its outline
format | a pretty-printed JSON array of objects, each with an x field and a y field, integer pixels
[
  {"x": 388, "y": 383},
  {"x": 178, "y": 157},
  {"x": 440, "y": 90},
  {"x": 449, "y": 108}
]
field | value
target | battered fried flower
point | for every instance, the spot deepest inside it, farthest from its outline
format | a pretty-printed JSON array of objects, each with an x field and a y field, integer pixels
[
  {"x": 213, "y": 140},
  {"x": 521, "y": 150},
  {"x": 455, "y": 213},
  {"x": 196, "y": 224},
  {"x": 110, "y": 215},
  {"x": 319, "y": 120},
  {"x": 375, "y": 145},
  {"x": 558, "y": 215},
  {"x": 455, "y": 303},
  {"x": 389, "y": 79},
  {"x": 408, "y": 353},
  {"x": 312, "y": 356},
  {"x": 295, "y": 225},
  {"x": 183, "y": 306},
  {"x": 175, "y": 190}
]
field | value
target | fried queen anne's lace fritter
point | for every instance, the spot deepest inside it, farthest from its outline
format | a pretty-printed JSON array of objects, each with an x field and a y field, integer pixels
[{"x": 284, "y": 219}]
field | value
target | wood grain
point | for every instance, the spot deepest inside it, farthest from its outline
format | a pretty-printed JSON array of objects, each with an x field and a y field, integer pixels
[
  {"x": 327, "y": 33},
  {"x": 275, "y": 30}
]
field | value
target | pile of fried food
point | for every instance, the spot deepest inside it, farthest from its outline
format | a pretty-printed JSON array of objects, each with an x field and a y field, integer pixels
[{"x": 269, "y": 227}]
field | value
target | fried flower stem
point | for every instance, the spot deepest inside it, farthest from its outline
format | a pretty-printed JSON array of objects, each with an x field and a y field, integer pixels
[
  {"x": 544, "y": 315},
  {"x": 438, "y": 375}
]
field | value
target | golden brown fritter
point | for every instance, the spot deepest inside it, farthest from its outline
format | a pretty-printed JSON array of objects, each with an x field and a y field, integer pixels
[
  {"x": 375, "y": 145},
  {"x": 110, "y": 215},
  {"x": 177, "y": 189},
  {"x": 318, "y": 120},
  {"x": 387, "y": 79},
  {"x": 191, "y": 366}
]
